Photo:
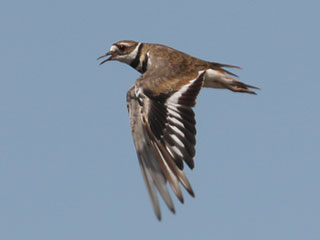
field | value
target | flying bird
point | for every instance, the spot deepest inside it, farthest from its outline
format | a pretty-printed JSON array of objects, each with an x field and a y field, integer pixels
[{"x": 160, "y": 110}]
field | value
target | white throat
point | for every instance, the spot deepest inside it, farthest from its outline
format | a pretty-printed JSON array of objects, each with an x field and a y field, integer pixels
[{"x": 127, "y": 58}]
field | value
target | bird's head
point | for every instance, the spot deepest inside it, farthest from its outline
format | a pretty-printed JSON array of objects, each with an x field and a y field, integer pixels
[{"x": 123, "y": 51}]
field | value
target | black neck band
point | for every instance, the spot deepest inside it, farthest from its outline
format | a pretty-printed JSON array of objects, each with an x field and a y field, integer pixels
[{"x": 136, "y": 61}]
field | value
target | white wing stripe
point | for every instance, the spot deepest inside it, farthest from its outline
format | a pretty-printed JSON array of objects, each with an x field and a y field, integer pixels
[
  {"x": 177, "y": 140},
  {"x": 177, "y": 150},
  {"x": 176, "y": 121},
  {"x": 177, "y": 131},
  {"x": 174, "y": 113},
  {"x": 175, "y": 97}
]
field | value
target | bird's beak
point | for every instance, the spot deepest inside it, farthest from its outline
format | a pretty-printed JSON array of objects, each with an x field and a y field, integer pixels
[{"x": 105, "y": 55}]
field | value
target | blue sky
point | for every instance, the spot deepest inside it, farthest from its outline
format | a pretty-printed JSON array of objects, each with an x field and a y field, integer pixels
[{"x": 68, "y": 167}]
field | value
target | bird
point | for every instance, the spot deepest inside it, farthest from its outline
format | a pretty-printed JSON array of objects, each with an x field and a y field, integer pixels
[{"x": 160, "y": 107}]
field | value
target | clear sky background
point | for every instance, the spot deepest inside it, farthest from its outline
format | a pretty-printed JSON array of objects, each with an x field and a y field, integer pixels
[{"x": 68, "y": 167}]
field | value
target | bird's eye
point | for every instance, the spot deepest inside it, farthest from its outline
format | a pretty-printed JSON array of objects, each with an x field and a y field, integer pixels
[{"x": 122, "y": 47}]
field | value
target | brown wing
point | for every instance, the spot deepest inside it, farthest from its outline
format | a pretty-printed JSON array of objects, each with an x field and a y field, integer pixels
[{"x": 163, "y": 129}]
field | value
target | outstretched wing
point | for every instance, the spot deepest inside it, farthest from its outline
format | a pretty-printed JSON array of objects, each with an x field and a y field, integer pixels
[{"x": 163, "y": 129}]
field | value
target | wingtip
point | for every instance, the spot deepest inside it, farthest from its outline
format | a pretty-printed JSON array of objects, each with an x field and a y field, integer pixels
[
  {"x": 181, "y": 199},
  {"x": 172, "y": 209},
  {"x": 191, "y": 192},
  {"x": 253, "y": 87}
]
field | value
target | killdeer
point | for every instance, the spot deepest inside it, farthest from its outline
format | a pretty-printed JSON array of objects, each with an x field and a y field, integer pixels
[{"x": 160, "y": 110}]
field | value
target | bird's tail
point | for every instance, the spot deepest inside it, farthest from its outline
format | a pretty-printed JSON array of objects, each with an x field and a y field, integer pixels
[{"x": 218, "y": 77}]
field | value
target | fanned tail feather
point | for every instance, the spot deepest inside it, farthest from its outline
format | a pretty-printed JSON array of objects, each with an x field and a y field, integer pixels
[{"x": 218, "y": 77}]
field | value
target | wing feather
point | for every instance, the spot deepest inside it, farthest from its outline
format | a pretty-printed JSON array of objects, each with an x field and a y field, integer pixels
[
  {"x": 149, "y": 163},
  {"x": 163, "y": 130}
]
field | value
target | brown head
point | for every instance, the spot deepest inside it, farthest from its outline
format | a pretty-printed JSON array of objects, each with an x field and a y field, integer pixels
[{"x": 124, "y": 51}]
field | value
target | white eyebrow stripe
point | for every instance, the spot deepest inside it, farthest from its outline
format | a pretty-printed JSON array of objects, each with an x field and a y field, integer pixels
[{"x": 125, "y": 43}]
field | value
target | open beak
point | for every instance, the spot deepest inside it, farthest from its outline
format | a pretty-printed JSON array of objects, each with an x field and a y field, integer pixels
[{"x": 105, "y": 55}]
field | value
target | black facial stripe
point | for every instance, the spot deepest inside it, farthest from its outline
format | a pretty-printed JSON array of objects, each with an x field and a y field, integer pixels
[
  {"x": 136, "y": 61},
  {"x": 145, "y": 64}
]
